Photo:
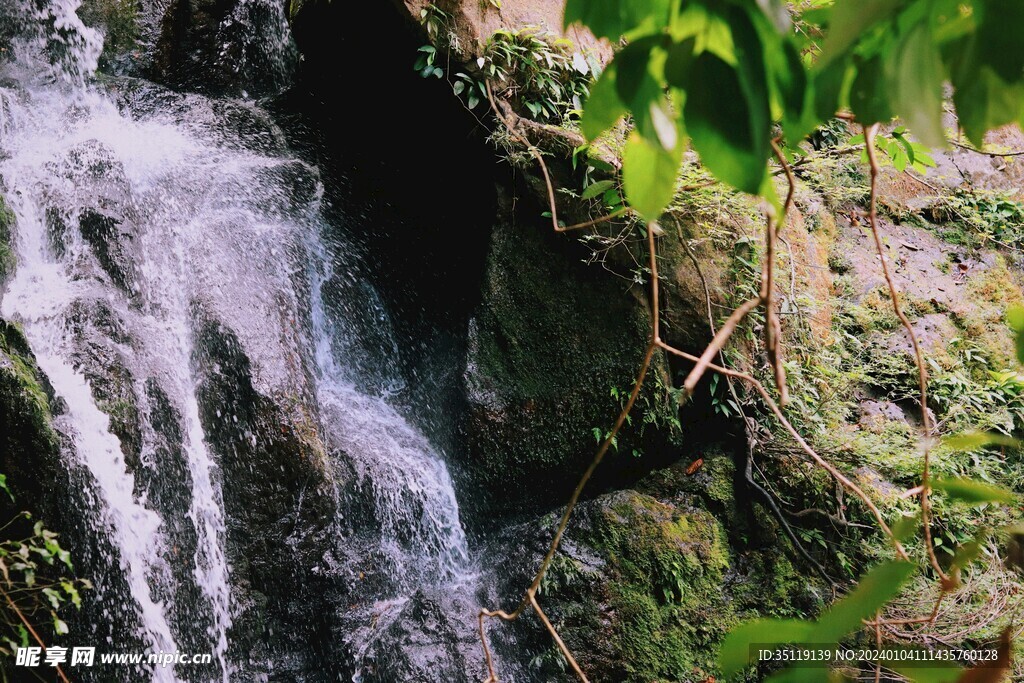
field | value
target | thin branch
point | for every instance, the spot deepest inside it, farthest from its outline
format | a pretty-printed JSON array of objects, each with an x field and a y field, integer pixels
[
  {"x": 994, "y": 155},
  {"x": 922, "y": 370},
  {"x": 28, "y": 626},
  {"x": 558, "y": 639}
]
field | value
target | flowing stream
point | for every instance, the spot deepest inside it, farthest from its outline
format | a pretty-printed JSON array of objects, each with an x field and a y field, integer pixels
[{"x": 138, "y": 210}]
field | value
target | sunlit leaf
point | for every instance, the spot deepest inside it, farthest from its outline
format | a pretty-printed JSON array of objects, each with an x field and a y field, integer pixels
[
  {"x": 735, "y": 652},
  {"x": 597, "y": 188},
  {"x": 973, "y": 441},
  {"x": 649, "y": 174},
  {"x": 973, "y": 492},
  {"x": 914, "y": 79},
  {"x": 1015, "y": 318},
  {"x": 848, "y": 22},
  {"x": 875, "y": 589}
]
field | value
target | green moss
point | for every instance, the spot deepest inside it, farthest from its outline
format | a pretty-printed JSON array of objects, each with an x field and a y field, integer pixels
[
  {"x": 25, "y": 421},
  {"x": 21, "y": 366},
  {"x": 118, "y": 19},
  {"x": 983, "y": 322},
  {"x": 8, "y": 260},
  {"x": 667, "y": 568}
]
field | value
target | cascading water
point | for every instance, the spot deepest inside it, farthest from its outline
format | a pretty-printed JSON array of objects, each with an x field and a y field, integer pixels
[{"x": 138, "y": 211}]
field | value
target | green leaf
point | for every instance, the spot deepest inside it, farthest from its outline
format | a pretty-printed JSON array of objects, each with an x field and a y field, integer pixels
[
  {"x": 735, "y": 655},
  {"x": 869, "y": 98},
  {"x": 597, "y": 188},
  {"x": 603, "y": 108},
  {"x": 59, "y": 627},
  {"x": 965, "y": 554},
  {"x": 649, "y": 174},
  {"x": 999, "y": 43},
  {"x": 639, "y": 85},
  {"x": 791, "y": 86},
  {"x": 678, "y": 62},
  {"x": 53, "y": 597},
  {"x": 3, "y": 485},
  {"x": 729, "y": 133},
  {"x": 848, "y": 22},
  {"x": 973, "y": 492},
  {"x": 914, "y": 77},
  {"x": 974, "y": 441},
  {"x": 1015, "y": 317},
  {"x": 72, "y": 592},
  {"x": 875, "y": 589},
  {"x": 614, "y": 18},
  {"x": 906, "y": 525},
  {"x": 830, "y": 88}
]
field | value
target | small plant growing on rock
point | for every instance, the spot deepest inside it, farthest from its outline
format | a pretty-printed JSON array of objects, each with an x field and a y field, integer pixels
[{"x": 35, "y": 582}]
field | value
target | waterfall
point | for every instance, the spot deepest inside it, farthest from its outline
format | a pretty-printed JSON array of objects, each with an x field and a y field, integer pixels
[
  {"x": 138, "y": 210},
  {"x": 408, "y": 483}
]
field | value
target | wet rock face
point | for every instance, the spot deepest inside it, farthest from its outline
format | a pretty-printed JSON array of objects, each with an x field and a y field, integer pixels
[
  {"x": 224, "y": 46},
  {"x": 280, "y": 512},
  {"x": 647, "y": 582},
  {"x": 46, "y": 482},
  {"x": 97, "y": 196},
  {"x": 422, "y": 641}
]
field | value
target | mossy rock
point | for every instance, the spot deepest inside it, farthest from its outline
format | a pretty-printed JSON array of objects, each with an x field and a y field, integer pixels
[
  {"x": 29, "y": 446},
  {"x": 554, "y": 349},
  {"x": 655, "y": 609},
  {"x": 8, "y": 259},
  {"x": 645, "y": 589},
  {"x": 119, "y": 22}
]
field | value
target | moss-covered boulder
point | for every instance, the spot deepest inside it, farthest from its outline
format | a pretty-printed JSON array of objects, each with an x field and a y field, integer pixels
[
  {"x": 645, "y": 585},
  {"x": 29, "y": 446},
  {"x": 660, "y": 601}
]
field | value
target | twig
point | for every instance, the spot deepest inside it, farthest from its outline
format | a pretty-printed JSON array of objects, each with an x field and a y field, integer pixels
[
  {"x": 543, "y": 168},
  {"x": 994, "y": 155},
  {"x": 748, "y": 428}
]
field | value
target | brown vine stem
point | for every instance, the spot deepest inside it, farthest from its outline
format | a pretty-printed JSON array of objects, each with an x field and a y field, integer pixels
[
  {"x": 994, "y": 155},
  {"x": 804, "y": 446},
  {"x": 773, "y": 328},
  {"x": 28, "y": 627},
  {"x": 922, "y": 371}
]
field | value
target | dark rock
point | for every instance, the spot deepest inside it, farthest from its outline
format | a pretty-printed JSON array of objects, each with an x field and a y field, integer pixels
[
  {"x": 642, "y": 589},
  {"x": 875, "y": 414},
  {"x": 280, "y": 512},
  {"x": 45, "y": 479},
  {"x": 103, "y": 354},
  {"x": 549, "y": 344},
  {"x": 420, "y": 643},
  {"x": 106, "y": 213}
]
